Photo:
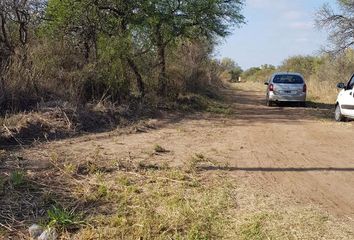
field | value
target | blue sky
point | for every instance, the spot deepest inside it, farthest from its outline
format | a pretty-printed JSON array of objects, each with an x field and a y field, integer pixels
[{"x": 275, "y": 30}]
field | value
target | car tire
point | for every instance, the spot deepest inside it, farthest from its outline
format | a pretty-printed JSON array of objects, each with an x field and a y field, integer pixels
[{"x": 338, "y": 116}]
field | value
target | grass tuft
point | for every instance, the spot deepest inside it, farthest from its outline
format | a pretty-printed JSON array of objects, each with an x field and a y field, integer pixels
[
  {"x": 254, "y": 229},
  {"x": 159, "y": 149},
  {"x": 62, "y": 218},
  {"x": 17, "y": 178}
]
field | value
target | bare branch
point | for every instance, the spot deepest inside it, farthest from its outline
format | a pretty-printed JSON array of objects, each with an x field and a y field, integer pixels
[{"x": 340, "y": 26}]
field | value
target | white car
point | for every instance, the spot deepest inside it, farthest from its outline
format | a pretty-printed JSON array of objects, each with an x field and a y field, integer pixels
[{"x": 345, "y": 101}]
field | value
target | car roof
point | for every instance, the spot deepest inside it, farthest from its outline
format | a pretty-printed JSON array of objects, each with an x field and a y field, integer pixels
[{"x": 287, "y": 73}]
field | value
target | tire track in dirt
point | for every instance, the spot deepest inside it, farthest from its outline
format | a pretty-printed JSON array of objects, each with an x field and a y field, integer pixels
[{"x": 319, "y": 144}]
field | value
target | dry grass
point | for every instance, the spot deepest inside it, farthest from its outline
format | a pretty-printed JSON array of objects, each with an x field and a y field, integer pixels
[
  {"x": 253, "y": 86},
  {"x": 264, "y": 215},
  {"x": 324, "y": 93},
  {"x": 128, "y": 199}
]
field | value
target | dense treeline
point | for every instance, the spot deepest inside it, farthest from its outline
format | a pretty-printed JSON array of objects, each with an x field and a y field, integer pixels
[{"x": 82, "y": 50}]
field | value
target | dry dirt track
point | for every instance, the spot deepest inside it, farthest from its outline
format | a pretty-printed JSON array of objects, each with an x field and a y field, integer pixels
[{"x": 288, "y": 150}]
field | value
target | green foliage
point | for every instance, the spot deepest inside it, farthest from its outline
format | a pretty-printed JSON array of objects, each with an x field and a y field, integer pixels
[
  {"x": 306, "y": 65},
  {"x": 17, "y": 178},
  {"x": 168, "y": 21},
  {"x": 230, "y": 68},
  {"x": 102, "y": 191},
  {"x": 87, "y": 50},
  {"x": 61, "y": 218},
  {"x": 258, "y": 74},
  {"x": 321, "y": 73},
  {"x": 69, "y": 18}
]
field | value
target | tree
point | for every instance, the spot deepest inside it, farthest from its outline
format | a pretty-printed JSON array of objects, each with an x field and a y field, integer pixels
[
  {"x": 169, "y": 20},
  {"x": 88, "y": 21},
  {"x": 73, "y": 19},
  {"x": 231, "y": 68},
  {"x": 18, "y": 19},
  {"x": 339, "y": 24},
  {"x": 141, "y": 27},
  {"x": 306, "y": 65},
  {"x": 124, "y": 14}
]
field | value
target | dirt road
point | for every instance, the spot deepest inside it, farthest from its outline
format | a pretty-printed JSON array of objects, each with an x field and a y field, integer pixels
[{"x": 292, "y": 151}]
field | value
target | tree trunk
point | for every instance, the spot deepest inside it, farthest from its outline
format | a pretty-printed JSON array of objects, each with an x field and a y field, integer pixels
[
  {"x": 161, "y": 52},
  {"x": 132, "y": 65},
  {"x": 139, "y": 79}
]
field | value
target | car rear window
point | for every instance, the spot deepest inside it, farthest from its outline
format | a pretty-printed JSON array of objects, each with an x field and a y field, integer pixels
[{"x": 288, "y": 79}]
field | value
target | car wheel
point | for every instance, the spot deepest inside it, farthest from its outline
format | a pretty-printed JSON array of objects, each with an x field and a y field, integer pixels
[{"x": 338, "y": 114}]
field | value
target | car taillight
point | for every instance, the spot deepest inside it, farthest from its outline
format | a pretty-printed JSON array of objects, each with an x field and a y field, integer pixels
[
  {"x": 271, "y": 87},
  {"x": 305, "y": 88}
]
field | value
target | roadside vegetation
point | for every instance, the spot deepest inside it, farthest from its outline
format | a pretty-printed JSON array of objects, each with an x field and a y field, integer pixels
[
  {"x": 84, "y": 51},
  {"x": 322, "y": 72},
  {"x": 89, "y": 65}
]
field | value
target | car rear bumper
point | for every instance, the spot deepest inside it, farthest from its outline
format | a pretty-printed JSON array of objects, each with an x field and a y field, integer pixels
[{"x": 287, "y": 98}]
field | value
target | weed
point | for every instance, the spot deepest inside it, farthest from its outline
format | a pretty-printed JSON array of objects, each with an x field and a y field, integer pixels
[
  {"x": 102, "y": 191},
  {"x": 63, "y": 219},
  {"x": 254, "y": 229},
  {"x": 124, "y": 181},
  {"x": 54, "y": 157},
  {"x": 195, "y": 161},
  {"x": 17, "y": 178},
  {"x": 159, "y": 149},
  {"x": 219, "y": 108},
  {"x": 88, "y": 168},
  {"x": 70, "y": 168}
]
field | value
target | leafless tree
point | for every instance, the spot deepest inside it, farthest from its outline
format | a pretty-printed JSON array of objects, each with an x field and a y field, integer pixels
[
  {"x": 340, "y": 25},
  {"x": 17, "y": 18}
]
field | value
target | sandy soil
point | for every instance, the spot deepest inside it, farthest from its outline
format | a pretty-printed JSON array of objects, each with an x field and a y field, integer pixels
[{"x": 295, "y": 152}]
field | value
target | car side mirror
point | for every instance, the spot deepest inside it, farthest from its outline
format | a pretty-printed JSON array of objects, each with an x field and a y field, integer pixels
[
  {"x": 266, "y": 83},
  {"x": 341, "y": 86}
]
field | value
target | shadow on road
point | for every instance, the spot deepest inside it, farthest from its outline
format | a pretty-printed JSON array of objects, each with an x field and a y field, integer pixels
[
  {"x": 248, "y": 107},
  {"x": 250, "y": 169}
]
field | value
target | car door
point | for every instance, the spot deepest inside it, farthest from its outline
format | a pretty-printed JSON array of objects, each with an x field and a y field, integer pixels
[{"x": 347, "y": 99}]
